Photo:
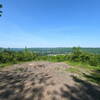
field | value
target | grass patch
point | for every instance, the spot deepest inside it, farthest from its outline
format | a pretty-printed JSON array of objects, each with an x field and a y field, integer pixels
[
  {"x": 11, "y": 63},
  {"x": 91, "y": 73},
  {"x": 93, "y": 77},
  {"x": 72, "y": 70},
  {"x": 5, "y": 64},
  {"x": 82, "y": 65}
]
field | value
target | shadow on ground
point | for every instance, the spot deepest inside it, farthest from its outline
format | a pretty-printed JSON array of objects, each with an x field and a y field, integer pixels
[
  {"x": 94, "y": 76},
  {"x": 31, "y": 86},
  {"x": 82, "y": 90},
  {"x": 23, "y": 86}
]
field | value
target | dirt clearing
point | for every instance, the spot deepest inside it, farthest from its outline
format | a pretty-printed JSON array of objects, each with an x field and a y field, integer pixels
[{"x": 44, "y": 81}]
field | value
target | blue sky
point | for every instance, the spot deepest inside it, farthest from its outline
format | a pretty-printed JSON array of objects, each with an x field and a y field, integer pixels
[{"x": 50, "y": 23}]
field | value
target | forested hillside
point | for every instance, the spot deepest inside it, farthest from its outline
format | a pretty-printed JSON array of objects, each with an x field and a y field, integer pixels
[{"x": 46, "y": 51}]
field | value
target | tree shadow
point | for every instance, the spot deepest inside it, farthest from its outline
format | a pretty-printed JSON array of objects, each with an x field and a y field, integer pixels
[
  {"x": 31, "y": 86},
  {"x": 82, "y": 90},
  {"x": 94, "y": 76},
  {"x": 22, "y": 86}
]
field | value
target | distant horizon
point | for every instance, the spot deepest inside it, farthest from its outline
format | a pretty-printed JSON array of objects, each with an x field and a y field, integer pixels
[{"x": 47, "y": 47}]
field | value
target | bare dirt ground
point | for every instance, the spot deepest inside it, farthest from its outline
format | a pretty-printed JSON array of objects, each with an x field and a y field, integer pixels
[{"x": 44, "y": 81}]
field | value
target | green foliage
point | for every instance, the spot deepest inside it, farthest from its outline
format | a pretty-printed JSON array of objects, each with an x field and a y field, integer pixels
[
  {"x": 72, "y": 70},
  {"x": 94, "y": 76},
  {"x": 78, "y": 55},
  {"x": 0, "y": 5},
  {"x": 0, "y": 10},
  {"x": 55, "y": 58},
  {"x": 9, "y": 56}
]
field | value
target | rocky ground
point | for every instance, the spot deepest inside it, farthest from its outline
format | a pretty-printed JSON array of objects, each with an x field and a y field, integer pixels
[{"x": 44, "y": 81}]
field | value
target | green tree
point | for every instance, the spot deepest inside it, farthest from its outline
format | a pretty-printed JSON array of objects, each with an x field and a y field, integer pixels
[{"x": 0, "y": 10}]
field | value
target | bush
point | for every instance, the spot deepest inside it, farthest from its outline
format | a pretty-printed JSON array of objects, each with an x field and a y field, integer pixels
[
  {"x": 78, "y": 55},
  {"x": 8, "y": 56}
]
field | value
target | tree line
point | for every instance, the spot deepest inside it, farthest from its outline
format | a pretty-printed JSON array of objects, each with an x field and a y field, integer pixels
[{"x": 77, "y": 55}]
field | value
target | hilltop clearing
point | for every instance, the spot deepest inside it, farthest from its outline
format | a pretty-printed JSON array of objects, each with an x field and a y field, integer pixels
[{"x": 45, "y": 81}]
